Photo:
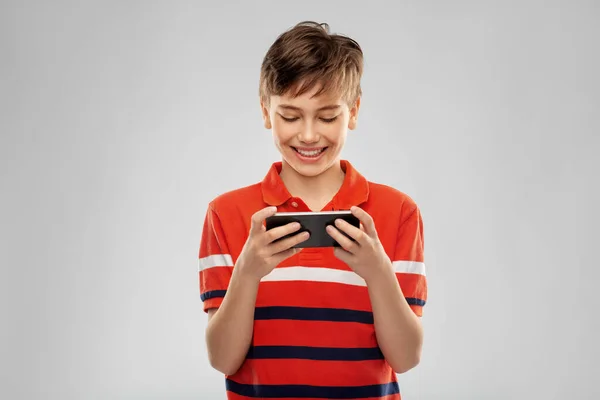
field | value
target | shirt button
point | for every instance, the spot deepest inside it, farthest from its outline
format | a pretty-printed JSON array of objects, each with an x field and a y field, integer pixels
[{"x": 294, "y": 204}]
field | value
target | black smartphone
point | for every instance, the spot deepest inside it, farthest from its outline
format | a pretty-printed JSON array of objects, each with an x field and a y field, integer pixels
[{"x": 315, "y": 223}]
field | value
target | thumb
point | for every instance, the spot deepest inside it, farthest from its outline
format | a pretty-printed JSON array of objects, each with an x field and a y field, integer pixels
[{"x": 259, "y": 217}]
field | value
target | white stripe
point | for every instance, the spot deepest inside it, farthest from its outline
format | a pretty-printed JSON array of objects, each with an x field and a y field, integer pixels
[
  {"x": 409, "y": 267},
  {"x": 215, "y": 260},
  {"x": 311, "y": 273},
  {"x": 314, "y": 274},
  {"x": 330, "y": 275}
]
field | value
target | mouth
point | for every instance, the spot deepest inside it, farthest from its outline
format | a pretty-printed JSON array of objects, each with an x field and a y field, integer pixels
[{"x": 310, "y": 152}]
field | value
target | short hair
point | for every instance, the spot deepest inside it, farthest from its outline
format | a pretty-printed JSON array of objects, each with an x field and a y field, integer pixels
[{"x": 307, "y": 55}]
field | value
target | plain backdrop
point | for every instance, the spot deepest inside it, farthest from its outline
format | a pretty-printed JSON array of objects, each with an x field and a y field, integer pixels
[{"x": 121, "y": 120}]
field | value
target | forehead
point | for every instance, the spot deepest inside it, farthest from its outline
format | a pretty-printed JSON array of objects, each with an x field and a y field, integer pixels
[{"x": 309, "y": 99}]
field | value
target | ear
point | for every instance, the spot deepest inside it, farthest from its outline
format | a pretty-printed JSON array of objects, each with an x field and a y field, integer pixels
[
  {"x": 265, "y": 114},
  {"x": 354, "y": 114}
]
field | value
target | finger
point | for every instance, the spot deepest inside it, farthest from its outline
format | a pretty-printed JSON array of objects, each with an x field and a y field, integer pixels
[
  {"x": 355, "y": 233},
  {"x": 283, "y": 255},
  {"x": 346, "y": 243},
  {"x": 342, "y": 255},
  {"x": 285, "y": 244},
  {"x": 259, "y": 217},
  {"x": 365, "y": 219},
  {"x": 280, "y": 231}
]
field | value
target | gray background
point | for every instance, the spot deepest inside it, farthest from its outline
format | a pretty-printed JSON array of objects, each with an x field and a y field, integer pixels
[{"x": 121, "y": 120}]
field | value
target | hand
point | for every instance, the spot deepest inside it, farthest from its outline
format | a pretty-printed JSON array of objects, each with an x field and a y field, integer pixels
[
  {"x": 260, "y": 255},
  {"x": 365, "y": 255}
]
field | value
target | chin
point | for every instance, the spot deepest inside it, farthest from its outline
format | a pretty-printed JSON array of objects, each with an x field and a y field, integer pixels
[{"x": 308, "y": 171}]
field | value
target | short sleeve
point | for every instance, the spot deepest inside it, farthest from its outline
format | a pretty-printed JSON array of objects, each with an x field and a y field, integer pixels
[
  {"x": 408, "y": 261},
  {"x": 215, "y": 264}
]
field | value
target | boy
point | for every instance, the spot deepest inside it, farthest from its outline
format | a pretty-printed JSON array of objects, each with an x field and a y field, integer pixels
[{"x": 318, "y": 323}]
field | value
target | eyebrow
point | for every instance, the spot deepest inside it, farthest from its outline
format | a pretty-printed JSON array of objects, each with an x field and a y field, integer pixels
[{"x": 328, "y": 107}]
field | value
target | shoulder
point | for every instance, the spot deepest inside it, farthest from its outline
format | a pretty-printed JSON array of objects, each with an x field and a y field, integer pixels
[
  {"x": 388, "y": 197},
  {"x": 236, "y": 198},
  {"x": 397, "y": 218}
]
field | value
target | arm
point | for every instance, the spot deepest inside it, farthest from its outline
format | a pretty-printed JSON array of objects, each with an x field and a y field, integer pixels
[
  {"x": 228, "y": 292},
  {"x": 398, "y": 330},
  {"x": 397, "y": 325},
  {"x": 230, "y": 327},
  {"x": 227, "y": 298},
  {"x": 391, "y": 285}
]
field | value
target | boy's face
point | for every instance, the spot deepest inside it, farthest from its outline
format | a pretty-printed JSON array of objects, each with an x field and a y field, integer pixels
[{"x": 308, "y": 131}]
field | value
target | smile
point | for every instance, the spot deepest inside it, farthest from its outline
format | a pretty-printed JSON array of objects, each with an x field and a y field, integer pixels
[{"x": 310, "y": 152}]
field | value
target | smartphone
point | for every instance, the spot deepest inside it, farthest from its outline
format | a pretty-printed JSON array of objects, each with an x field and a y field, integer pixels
[{"x": 315, "y": 223}]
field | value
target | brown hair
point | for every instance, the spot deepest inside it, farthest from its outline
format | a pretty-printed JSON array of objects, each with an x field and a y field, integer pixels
[{"x": 307, "y": 55}]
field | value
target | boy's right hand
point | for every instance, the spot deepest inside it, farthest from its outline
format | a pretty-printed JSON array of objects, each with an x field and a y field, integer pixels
[{"x": 260, "y": 255}]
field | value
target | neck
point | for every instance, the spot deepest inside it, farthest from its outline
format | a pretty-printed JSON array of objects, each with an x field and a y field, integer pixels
[{"x": 318, "y": 189}]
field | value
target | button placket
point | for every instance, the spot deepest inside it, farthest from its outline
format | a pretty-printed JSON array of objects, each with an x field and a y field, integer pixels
[{"x": 297, "y": 204}]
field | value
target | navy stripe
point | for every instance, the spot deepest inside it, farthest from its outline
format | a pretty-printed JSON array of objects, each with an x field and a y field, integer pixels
[
  {"x": 212, "y": 294},
  {"x": 313, "y": 314},
  {"x": 415, "y": 302},
  {"x": 315, "y": 353},
  {"x": 306, "y": 391}
]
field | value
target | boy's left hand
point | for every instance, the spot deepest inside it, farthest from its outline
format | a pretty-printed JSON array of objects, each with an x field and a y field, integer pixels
[{"x": 366, "y": 255}]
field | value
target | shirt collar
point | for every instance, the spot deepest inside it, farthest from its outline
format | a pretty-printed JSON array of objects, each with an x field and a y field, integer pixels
[{"x": 354, "y": 190}]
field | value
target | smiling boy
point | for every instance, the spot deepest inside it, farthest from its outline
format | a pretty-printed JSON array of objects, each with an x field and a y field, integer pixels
[{"x": 320, "y": 323}]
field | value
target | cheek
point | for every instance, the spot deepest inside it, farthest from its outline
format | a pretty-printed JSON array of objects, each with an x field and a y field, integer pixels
[
  {"x": 283, "y": 132},
  {"x": 335, "y": 133}
]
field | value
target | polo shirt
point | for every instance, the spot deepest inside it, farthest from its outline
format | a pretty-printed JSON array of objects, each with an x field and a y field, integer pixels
[{"x": 314, "y": 333}]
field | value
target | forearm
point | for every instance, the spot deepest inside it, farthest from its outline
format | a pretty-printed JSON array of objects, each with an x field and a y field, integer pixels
[
  {"x": 397, "y": 328},
  {"x": 229, "y": 331}
]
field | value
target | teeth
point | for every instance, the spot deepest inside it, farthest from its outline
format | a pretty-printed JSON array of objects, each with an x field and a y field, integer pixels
[{"x": 311, "y": 153}]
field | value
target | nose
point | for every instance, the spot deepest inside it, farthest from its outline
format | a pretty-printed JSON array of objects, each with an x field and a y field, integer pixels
[{"x": 308, "y": 134}]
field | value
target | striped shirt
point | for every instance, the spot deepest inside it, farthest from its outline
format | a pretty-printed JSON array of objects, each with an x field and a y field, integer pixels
[{"x": 314, "y": 335}]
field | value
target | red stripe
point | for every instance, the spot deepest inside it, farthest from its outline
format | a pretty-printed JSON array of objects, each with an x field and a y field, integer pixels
[
  {"x": 313, "y": 333},
  {"x": 318, "y": 373},
  {"x": 216, "y": 278},
  {"x": 212, "y": 303},
  {"x": 413, "y": 285},
  {"x": 313, "y": 294}
]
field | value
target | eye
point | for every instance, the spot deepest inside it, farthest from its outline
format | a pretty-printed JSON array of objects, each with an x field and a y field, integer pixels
[
  {"x": 288, "y": 119},
  {"x": 329, "y": 120}
]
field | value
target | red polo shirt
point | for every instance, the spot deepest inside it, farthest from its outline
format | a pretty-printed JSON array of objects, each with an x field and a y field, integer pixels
[{"x": 314, "y": 335}]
